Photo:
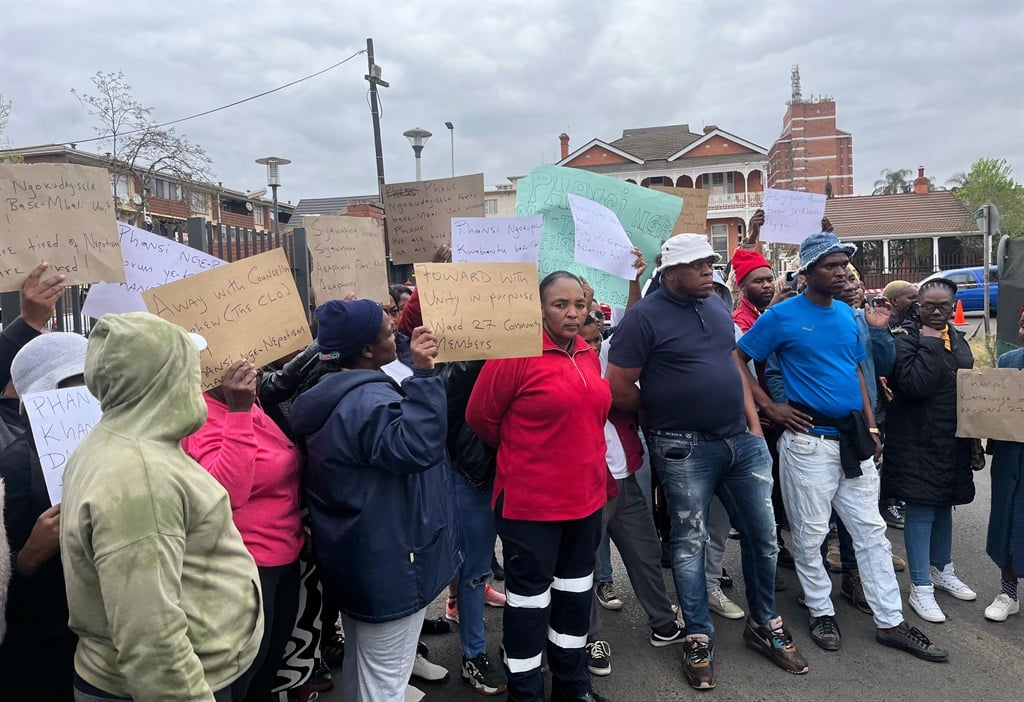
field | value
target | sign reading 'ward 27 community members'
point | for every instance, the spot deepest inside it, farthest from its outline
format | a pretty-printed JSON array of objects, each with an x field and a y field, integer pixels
[
  {"x": 790, "y": 216},
  {"x": 150, "y": 260},
  {"x": 646, "y": 215},
  {"x": 60, "y": 419},
  {"x": 348, "y": 257},
  {"x": 420, "y": 213},
  {"x": 496, "y": 239},
  {"x": 60, "y": 213},
  {"x": 481, "y": 310},
  {"x": 990, "y": 403},
  {"x": 600, "y": 240},
  {"x": 247, "y": 309}
]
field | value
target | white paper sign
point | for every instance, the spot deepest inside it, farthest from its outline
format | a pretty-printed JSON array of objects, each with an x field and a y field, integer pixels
[
  {"x": 60, "y": 419},
  {"x": 496, "y": 239},
  {"x": 150, "y": 260},
  {"x": 791, "y": 216},
  {"x": 600, "y": 240}
]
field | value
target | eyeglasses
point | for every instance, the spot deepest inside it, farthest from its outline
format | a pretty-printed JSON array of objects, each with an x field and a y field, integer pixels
[{"x": 928, "y": 308}]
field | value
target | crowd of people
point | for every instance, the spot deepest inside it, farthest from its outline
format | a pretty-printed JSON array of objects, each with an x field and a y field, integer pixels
[{"x": 176, "y": 564}]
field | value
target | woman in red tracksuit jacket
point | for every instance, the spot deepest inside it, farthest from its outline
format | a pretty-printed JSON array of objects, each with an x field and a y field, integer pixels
[{"x": 546, "y": 417}]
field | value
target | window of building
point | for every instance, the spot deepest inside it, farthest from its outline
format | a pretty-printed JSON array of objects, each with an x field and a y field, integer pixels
[
  {"x": 257, "y": 214},
  {"x": 200, "y": 203},
  {"x": 166, "y": 190},
  {"x": 491, "y": 206},
  {"x": 718, "y": 183},
  {"x": 720, "y": 240}
]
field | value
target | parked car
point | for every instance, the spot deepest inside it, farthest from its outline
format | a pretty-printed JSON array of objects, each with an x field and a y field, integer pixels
[{"x": 970, "y": 286}]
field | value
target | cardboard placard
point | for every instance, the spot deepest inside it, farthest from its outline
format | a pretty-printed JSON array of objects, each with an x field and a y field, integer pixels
[
  {"x": 481, "y": 310},
  {"x": 420, "y": 214},
  {"x": 990, "y": 403},
  {"x": 496, "y": 239},
  {"x": 790, "y": 216},
  {"x": 60, "y": 213},
  {"x": 647, "y": 216},
  {"x": 694, "y": 217},
  {"x": 60, "y": 419},
  {"x": 150, "y": 260},
  {"x": 348, "y": 257},
  {"x": 246, "y": 309}
]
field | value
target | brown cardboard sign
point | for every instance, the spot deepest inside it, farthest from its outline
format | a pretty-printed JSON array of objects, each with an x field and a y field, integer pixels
[
  {"x": 420, "y": 214},
  {"x": 481, "y": 310},
  {"x": 348, "y": 257},
  {"x": 246, "y": 309},
  {"x": 693, "y": 217},
  {"x": 61, "y": 213},
  {"x": 990, "y": 403}
]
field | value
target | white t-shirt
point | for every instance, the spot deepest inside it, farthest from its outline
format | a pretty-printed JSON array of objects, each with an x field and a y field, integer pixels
[{"x": 615, "y": 455}]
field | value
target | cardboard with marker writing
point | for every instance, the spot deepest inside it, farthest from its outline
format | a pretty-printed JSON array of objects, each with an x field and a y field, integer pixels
[
  {"x": 990, "y": 403},
  {"x": 693, "y": 218},
  {"x": 420, "y": 214},
  {"x": 246, "y": 309},
  {"x": 481, "y": 310},
  {"x": 348, "y": 256}
]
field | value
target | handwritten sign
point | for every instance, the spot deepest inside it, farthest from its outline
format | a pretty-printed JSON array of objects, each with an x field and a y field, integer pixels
[
  {"x": 600, "y": 240},
  {"x": 60, "y": 419},
  {"x": 791, "y": 216},
  {"x": 150, "y": 260},
  {"x": 59, "y": 213},
  {"x": 249, "y": 308},
  {"x": 694, "y": 217},
  {"x": 645, "y": 214},
  {"x": 481, "y": 310},
  {"x": 420, "y": 213},
  {"x": 348, "y": 256},
  {"x": 990, "y": 403},
  {"x": 496, "y": 239}
]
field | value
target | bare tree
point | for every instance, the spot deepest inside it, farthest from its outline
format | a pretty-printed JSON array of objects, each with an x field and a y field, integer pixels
[{"x": 138, "y": 147}]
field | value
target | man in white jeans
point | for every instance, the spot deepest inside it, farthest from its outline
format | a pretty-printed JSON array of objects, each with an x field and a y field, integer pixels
[{"x": 822, "y": 464}]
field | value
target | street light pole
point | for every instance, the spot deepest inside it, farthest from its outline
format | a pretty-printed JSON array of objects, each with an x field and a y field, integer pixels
[
  {"x": 273, "y": 164},
  {"x": 418, "y": 138},
  {"x": 451, "y": 132}
]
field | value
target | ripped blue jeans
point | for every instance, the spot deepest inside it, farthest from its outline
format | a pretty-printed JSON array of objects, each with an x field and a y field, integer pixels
[
  {"x": 478, "y": 534},
  {"x": 693, "y": 468}
]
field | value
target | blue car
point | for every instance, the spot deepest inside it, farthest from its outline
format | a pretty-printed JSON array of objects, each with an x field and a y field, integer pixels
[{"x": 970, "y": 286}]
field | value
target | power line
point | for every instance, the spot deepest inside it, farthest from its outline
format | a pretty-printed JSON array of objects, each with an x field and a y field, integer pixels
[{"x": 218, "y": 109}]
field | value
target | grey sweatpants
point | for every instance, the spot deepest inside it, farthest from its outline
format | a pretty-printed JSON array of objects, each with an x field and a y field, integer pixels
[{"x": 379, "y": 658}]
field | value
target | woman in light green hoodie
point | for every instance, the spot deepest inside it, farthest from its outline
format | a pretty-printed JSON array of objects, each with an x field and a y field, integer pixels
[{"x": 163, "y": 595}]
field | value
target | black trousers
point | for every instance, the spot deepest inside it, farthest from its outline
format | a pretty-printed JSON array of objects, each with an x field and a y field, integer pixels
[
  {"x": 280, "y": 585},
  {"x": 549, "y": 575}
]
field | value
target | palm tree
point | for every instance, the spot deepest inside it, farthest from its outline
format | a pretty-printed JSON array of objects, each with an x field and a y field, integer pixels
[{"x": 893, "y": 182}]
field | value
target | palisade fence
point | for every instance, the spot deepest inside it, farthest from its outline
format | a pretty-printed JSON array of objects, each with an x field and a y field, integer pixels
[{"x": 226, "y": 243}]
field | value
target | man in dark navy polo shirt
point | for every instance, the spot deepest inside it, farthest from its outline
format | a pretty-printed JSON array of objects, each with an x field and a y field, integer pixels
[{"x": 705, "y": 439}]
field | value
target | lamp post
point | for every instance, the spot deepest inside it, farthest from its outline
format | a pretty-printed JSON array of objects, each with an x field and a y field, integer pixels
[
  {"x": 274, "y": 181},
  {"x": 451, "y": 131},
  {"x": 418, "y": 138}
]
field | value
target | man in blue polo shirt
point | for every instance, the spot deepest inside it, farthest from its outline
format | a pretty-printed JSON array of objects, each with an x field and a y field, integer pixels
[
  {"x": 705, "y": 439},
  {"x": 824, "y": 461}
]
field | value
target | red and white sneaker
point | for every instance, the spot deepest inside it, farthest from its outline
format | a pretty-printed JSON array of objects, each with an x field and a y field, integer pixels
[{"x": 492, "y": 597}]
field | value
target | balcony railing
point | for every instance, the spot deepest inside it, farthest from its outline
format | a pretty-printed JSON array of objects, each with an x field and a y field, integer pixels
[{"x": 735, "y": 201}]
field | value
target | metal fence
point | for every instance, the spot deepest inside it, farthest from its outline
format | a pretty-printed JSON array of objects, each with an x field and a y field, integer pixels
[{"x": 226, "y": 243}]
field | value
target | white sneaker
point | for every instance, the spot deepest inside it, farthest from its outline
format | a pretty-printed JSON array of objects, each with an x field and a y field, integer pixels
[
  {"x": 1002, "y": 607},
  {"x": 946, "y": 579},
  {"x": 723, "y": 606},
  {"x": 427, "y": 671},
  {"x": 922, "y": 601}
]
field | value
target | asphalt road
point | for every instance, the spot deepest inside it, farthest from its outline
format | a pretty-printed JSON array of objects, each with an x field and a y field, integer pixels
[{"x": 986, "y": 659}]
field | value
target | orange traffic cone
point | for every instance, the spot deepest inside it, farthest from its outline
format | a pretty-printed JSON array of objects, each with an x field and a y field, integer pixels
[{"x": 958, "y": 316}]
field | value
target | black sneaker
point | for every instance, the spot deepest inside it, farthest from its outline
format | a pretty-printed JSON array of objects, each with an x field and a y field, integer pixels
[
  {"x": 606, "y": 596},
  {"x": 559, "y": 696},
  {"x": 674, "y": 634},
  {"x": 911, "y": 639},
  {"x": 825, "y": 632},
  {"x": 598, "y": 658},
  {"x": 321, "y": 680},
  {"x": 893, "y": 516},
  {"x": 775, "y": 642},
  {"x": 485, "y": 677},
  {"x": 698, "y": 664}
]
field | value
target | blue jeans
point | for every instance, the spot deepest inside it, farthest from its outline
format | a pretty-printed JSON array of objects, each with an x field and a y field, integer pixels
[
  {"x": 739, "y": 470},
  {"x": 928, "y": 536},
  {"x": 478, "y": 533}
]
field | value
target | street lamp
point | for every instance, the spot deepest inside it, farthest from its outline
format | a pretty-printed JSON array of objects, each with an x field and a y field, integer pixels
[
  {"x": 451, "y": 131},
  {"x": 274, "y": 181},
  {"x": 417, "y": 137}
]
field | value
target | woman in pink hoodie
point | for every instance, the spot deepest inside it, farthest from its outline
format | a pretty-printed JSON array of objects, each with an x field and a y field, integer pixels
[{"x": 259, "y": 467}]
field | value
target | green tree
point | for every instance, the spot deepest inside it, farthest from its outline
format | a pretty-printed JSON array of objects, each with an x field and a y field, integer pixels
[
  {"x": 893, "y": 182},
  {"x": 991, "y": 180}
]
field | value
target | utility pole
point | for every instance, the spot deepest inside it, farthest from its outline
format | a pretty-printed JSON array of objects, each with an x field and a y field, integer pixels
[
  {"x": 988, "y": 222},
  {"x": 373, "y": 78}
]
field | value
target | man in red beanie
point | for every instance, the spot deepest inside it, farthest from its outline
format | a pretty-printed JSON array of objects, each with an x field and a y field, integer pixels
[{"x": 757, "y": 282}]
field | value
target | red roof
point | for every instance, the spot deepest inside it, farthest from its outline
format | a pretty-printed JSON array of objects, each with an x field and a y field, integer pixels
[{"x": 910, "y": 214}]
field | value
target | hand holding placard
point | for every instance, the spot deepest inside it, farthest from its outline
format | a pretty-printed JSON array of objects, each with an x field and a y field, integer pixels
[{"x": 60, "y": 419}]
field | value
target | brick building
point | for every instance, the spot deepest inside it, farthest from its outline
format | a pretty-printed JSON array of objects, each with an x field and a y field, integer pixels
[
  {"x": 812, "y": 151},
  {"x": 731, "y": 168}
]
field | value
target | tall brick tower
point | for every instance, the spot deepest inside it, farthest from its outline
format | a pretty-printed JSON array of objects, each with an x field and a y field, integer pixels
[{"x": 811, "y": 148}]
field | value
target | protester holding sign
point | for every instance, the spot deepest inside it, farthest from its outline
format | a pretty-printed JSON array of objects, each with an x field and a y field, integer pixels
[
  {"x": 926, "y": 465},
  {"x": 259, "y": 467},
  {"x": 546, "y": 414},
  {"x": 38, "y": 299},
  {"x": 39, "y": 646}
]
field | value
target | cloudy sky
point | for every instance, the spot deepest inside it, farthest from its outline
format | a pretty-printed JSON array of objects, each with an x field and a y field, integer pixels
[{"x": 937, "y": 84}]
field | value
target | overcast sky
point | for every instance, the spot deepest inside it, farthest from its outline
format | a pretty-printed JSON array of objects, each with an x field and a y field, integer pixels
[{"x": 934, "y": 84}]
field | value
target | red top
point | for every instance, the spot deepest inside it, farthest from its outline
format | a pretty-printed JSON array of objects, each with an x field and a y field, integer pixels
[
  {"x": 259, "y": 467},
  {"x": 745, "y": 314},
  {"x": 546, "y": 415}
]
